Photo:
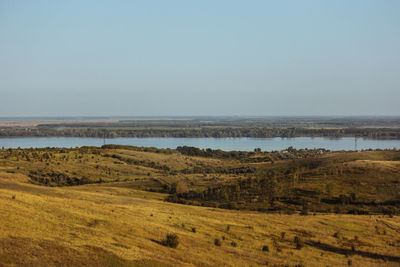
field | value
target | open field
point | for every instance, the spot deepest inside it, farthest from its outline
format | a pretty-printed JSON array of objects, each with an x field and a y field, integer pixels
[
  {"x": 106, "y": 207},
  {"x": 111, "y": 226}
]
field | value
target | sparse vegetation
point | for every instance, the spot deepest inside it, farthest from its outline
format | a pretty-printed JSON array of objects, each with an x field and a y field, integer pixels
[
  {"x": 283, "y": 235},
  {"x": 265, "y": 248},
  {"x": 299, "y": 242},
  {"x": 217, "y": 242},
  {"x": 171, "y": 240},
  {"x": 264, "y": 207},
  {"x": 338, "y": 235}
]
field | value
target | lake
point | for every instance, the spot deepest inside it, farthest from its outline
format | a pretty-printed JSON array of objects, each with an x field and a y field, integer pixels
[{"x": 227, "y": 144}]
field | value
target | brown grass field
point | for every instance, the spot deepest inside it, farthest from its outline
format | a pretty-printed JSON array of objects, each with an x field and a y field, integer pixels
[{"x": 114, "y": 223}]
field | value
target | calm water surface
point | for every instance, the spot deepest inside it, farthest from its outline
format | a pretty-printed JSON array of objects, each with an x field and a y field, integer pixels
[{"x": 243, "y": 144}]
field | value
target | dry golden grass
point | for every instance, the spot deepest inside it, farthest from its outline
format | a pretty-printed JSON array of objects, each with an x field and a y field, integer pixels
[
  {"x": 175, "y": 160},
  {"x": 106, "y": 225},
  {"x": 114, "y": 224},
  {"x": 376, "y": 165}
]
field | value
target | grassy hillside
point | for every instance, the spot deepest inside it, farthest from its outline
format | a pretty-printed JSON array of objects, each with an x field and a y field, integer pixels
[
  {"x": 365, "y": 182},
  {"x": 342, "y": 182},
  {"x": 107, "y": 225},
  {"x": 106, "y": 207}
]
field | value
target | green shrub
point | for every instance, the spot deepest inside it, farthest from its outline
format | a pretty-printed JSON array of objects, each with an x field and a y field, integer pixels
[
  {"x": 299, "y": 242},
  {"x": 283, "y": 235},
  {"x": 265, "y": 248},
  {"x": 172, "y": 241},
  {"x": 217, "y": 242},
  {"x": 338, "y": 235},
  {"x": 304, "y": 211}
]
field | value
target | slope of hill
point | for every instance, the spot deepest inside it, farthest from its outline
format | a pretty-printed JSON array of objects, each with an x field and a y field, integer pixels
[{"x": 110, "y": 217}]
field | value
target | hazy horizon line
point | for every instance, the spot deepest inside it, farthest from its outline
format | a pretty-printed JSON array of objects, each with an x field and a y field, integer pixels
[{"x": 195, "y": 116}]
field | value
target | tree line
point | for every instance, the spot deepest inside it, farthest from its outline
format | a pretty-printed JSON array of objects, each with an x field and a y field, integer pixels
[{"x": 254, "y": 132}]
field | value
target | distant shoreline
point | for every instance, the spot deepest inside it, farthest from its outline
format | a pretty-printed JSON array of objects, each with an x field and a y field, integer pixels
[{"x": 379, "y": 128}]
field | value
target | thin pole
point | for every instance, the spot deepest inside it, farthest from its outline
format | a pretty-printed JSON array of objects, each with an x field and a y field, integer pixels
[{"x": 355, "y": 142}]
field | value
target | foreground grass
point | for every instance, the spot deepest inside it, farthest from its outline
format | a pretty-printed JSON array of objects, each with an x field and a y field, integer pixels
[{"x": 108, "y": 225}]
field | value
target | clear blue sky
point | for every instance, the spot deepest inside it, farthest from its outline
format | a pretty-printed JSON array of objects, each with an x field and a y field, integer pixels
[{"x": 67, "y": 58}]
